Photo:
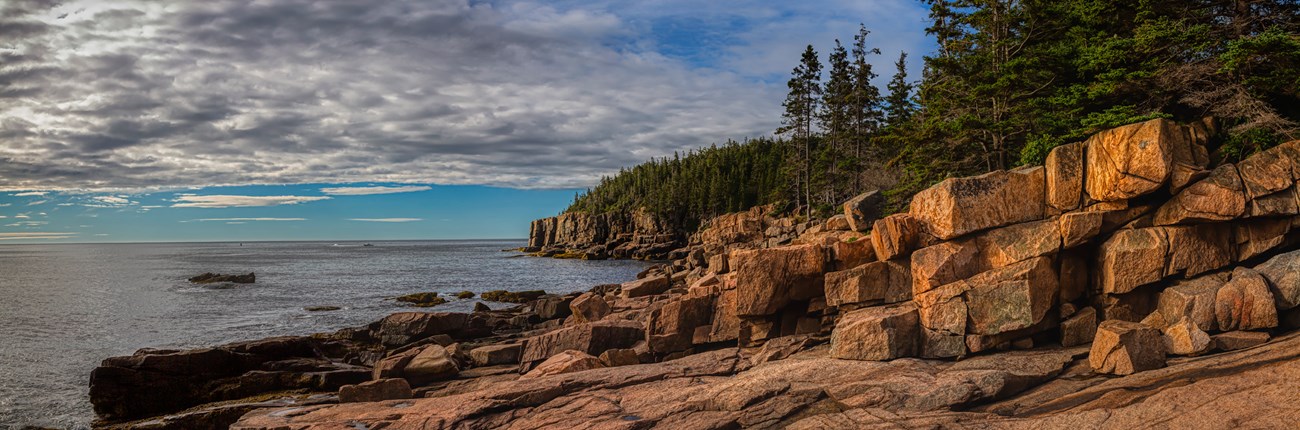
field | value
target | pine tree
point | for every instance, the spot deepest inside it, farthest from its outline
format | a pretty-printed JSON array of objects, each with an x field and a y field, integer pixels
[
  {"x": 835, "y": 161},
  {"x": 865, "y": 104},
  {"x": 800, "y": 110},
  {"x": 899, "y": 102}
]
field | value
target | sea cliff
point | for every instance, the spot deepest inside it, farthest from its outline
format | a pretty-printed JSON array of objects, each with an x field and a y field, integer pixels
[{"x": 1128, "y": 281}]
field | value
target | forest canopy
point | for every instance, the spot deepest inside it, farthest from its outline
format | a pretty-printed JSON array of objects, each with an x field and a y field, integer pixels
[{"x": 1010, "y": 81}]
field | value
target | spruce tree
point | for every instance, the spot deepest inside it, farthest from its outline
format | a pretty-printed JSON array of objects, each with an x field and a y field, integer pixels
[
  {"x": 899, "y": 102},
  {"x": 800, "y": 109},
  {"x": 865, "y": 104}
]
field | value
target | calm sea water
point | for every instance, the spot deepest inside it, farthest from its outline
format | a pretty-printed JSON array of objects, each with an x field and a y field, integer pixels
[{"x": 63, "y": 308}]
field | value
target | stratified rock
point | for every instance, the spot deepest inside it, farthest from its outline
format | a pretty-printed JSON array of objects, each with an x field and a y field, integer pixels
[
  {"x": 943, "y": 310},
  {"x": 1130, "y": 161},
  {"x": 1234, "y": 340},
  {"x": 1080, "y": 328},
  {"x": 1012, "y": 297},
  {"x": 1184, "y": 338},
  {"x": 1064, "y": 168},
  {"x": 375, "y": 391},
  {"x": 1283, "y": 274},
  {"x": 877, "y": 333},
  {"x": 768, "y": 279},
  {"x": 837, "y": 223},
  {"x": 725, "y": 324},
  {"x": 958, "y": 206},
  {"x": 1245, "y": 303},
  {"x": 1125, "y": 348},
  {"x": 1015, "y": 243},
  {"x": 648, "y": 286},
  {"x": 863, "y": 210},
  {"x": 718, "y": 264},
  {"x": 780, "y": 348},
  {"x": 875, "y": 282},
  {"x": 1218, "y": 197},
  {"x": 1132, "y": 258},
  {"x": 565, "y": 362},
  {"x": 1078, "y": 228},
  {"x": 592, "y": 338},
  {"x": 1194, "y": 300},
  {"x": 589, "y": 307},
  {"x": 898, "y": 235},
  {"x": 493, "y": 355}
]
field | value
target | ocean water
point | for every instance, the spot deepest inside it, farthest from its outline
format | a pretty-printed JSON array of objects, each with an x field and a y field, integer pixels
[{"x": 63, "y": 308}]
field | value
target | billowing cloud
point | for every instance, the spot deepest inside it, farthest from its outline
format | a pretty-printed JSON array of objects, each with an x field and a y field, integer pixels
[
  {"x": 365, "y": 191},
  {"x": 139, "y": 94},
  {"x": 386, "y": 219},
  {"x": 228, "y": 201}
]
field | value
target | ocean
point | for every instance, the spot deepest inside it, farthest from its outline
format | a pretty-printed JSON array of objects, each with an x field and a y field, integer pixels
[{"x": 64, "y": 308}]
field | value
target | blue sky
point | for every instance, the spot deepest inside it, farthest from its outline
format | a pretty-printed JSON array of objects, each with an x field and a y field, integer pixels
[{"x": 116, "y": 109}]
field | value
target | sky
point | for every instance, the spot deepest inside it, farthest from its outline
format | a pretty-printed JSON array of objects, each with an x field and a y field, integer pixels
[{"x": 126, "y": 121}]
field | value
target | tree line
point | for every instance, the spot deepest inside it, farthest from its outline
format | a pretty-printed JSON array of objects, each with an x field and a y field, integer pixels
[{"x": 1010, "y": 80}]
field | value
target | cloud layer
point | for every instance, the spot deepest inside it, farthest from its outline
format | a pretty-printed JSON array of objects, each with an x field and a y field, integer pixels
[
  {"x": 98, "y": 95},
  {"x": 229, "y": 201},
  {"x": 366, "y": 191}
]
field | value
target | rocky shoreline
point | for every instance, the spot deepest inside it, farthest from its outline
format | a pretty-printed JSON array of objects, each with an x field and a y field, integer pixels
[{"x": 1086, "y": 293}]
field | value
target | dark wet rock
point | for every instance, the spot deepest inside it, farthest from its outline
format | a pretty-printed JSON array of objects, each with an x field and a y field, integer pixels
[{"x": 213, "y": 278}]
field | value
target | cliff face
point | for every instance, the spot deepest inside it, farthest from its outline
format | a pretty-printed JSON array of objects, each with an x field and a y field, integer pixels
[{"x": 637, "y": 234}]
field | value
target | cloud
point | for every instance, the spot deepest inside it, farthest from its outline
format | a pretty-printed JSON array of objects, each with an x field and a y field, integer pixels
[
  {"x": 108, "y": 202},
  {"x": 250, "y": 219},
  {"x": 38, "y": 202},
  {"x": 36, "y": 235},
  {"x": 228, "y": 201},
  {"x": 365, "y": 191},
  {"x": 31, "y": 193},
  {"x": 112, "y": 200},
  {"x": 138, "y": 94},
  {"x": 386, "y": 219}
]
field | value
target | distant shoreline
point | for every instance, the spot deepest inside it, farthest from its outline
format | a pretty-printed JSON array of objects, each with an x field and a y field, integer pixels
[{"x": 520, "y": 239}]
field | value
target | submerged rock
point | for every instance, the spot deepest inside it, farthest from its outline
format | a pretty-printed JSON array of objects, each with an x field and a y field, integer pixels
[{"x": 212, "y": 278}]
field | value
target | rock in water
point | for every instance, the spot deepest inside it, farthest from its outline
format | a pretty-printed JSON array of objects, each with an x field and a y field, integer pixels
[
  {"x": 1125, "y": 348},
  {"x": 211, "y": 278}
]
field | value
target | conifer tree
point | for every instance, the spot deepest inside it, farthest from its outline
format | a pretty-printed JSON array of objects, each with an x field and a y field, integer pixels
[{"x": 800, "y": 109}]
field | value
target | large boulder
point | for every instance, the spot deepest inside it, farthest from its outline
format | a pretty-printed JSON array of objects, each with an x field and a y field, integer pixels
[
  {"x": 1283, "y": 274},
  {"x": 877, "y": 333},
  {"x": 647, "y": 286},
  {"x": 406, "y": 327},
  {"x": 1245, "y": 303},
  {"x": 565, "y": 362},
  {"x": 492, "y": 355},
  {"x": 671, "y": 328},
  {"x": 958, "y": 206},
  {"x": 375, "y": 391},
  {"x": 1185, "y": 338},
  {"x": 1130, "y": 161},
  {"x": 768, "y": 279},
  {"x": 1077, "y": 228},
  {"x": 944, "y": 263},
  {"x": 853, "y": 252},
  {"x": 431, "y": 363},
  {"x": 1198, "y": 249},
  {"x": 1194, "y": 300},
  {"x": 1080, "y": 328},
  {"x": 863, "y": 210},
  {"x": 952, "y": 261},
  {"x": 1132, "y": 258},
  {"x": 875, "y": 282},
  {"x": 1011, "y": 298},
  {"x": 898, "y": 235},
  {"x": 1064, "y": 168},
  {"x": 1219, "y": 197},
  {"x": 592, "y": 338},
  {"x": 1125, "y": 348},
  {"x": 589, "y": 307},
  {"x": 1270, "y": 171}
]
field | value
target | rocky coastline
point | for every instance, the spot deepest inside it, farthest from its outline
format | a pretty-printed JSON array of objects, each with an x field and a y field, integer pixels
[{"x": 1126, "y": 283}]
